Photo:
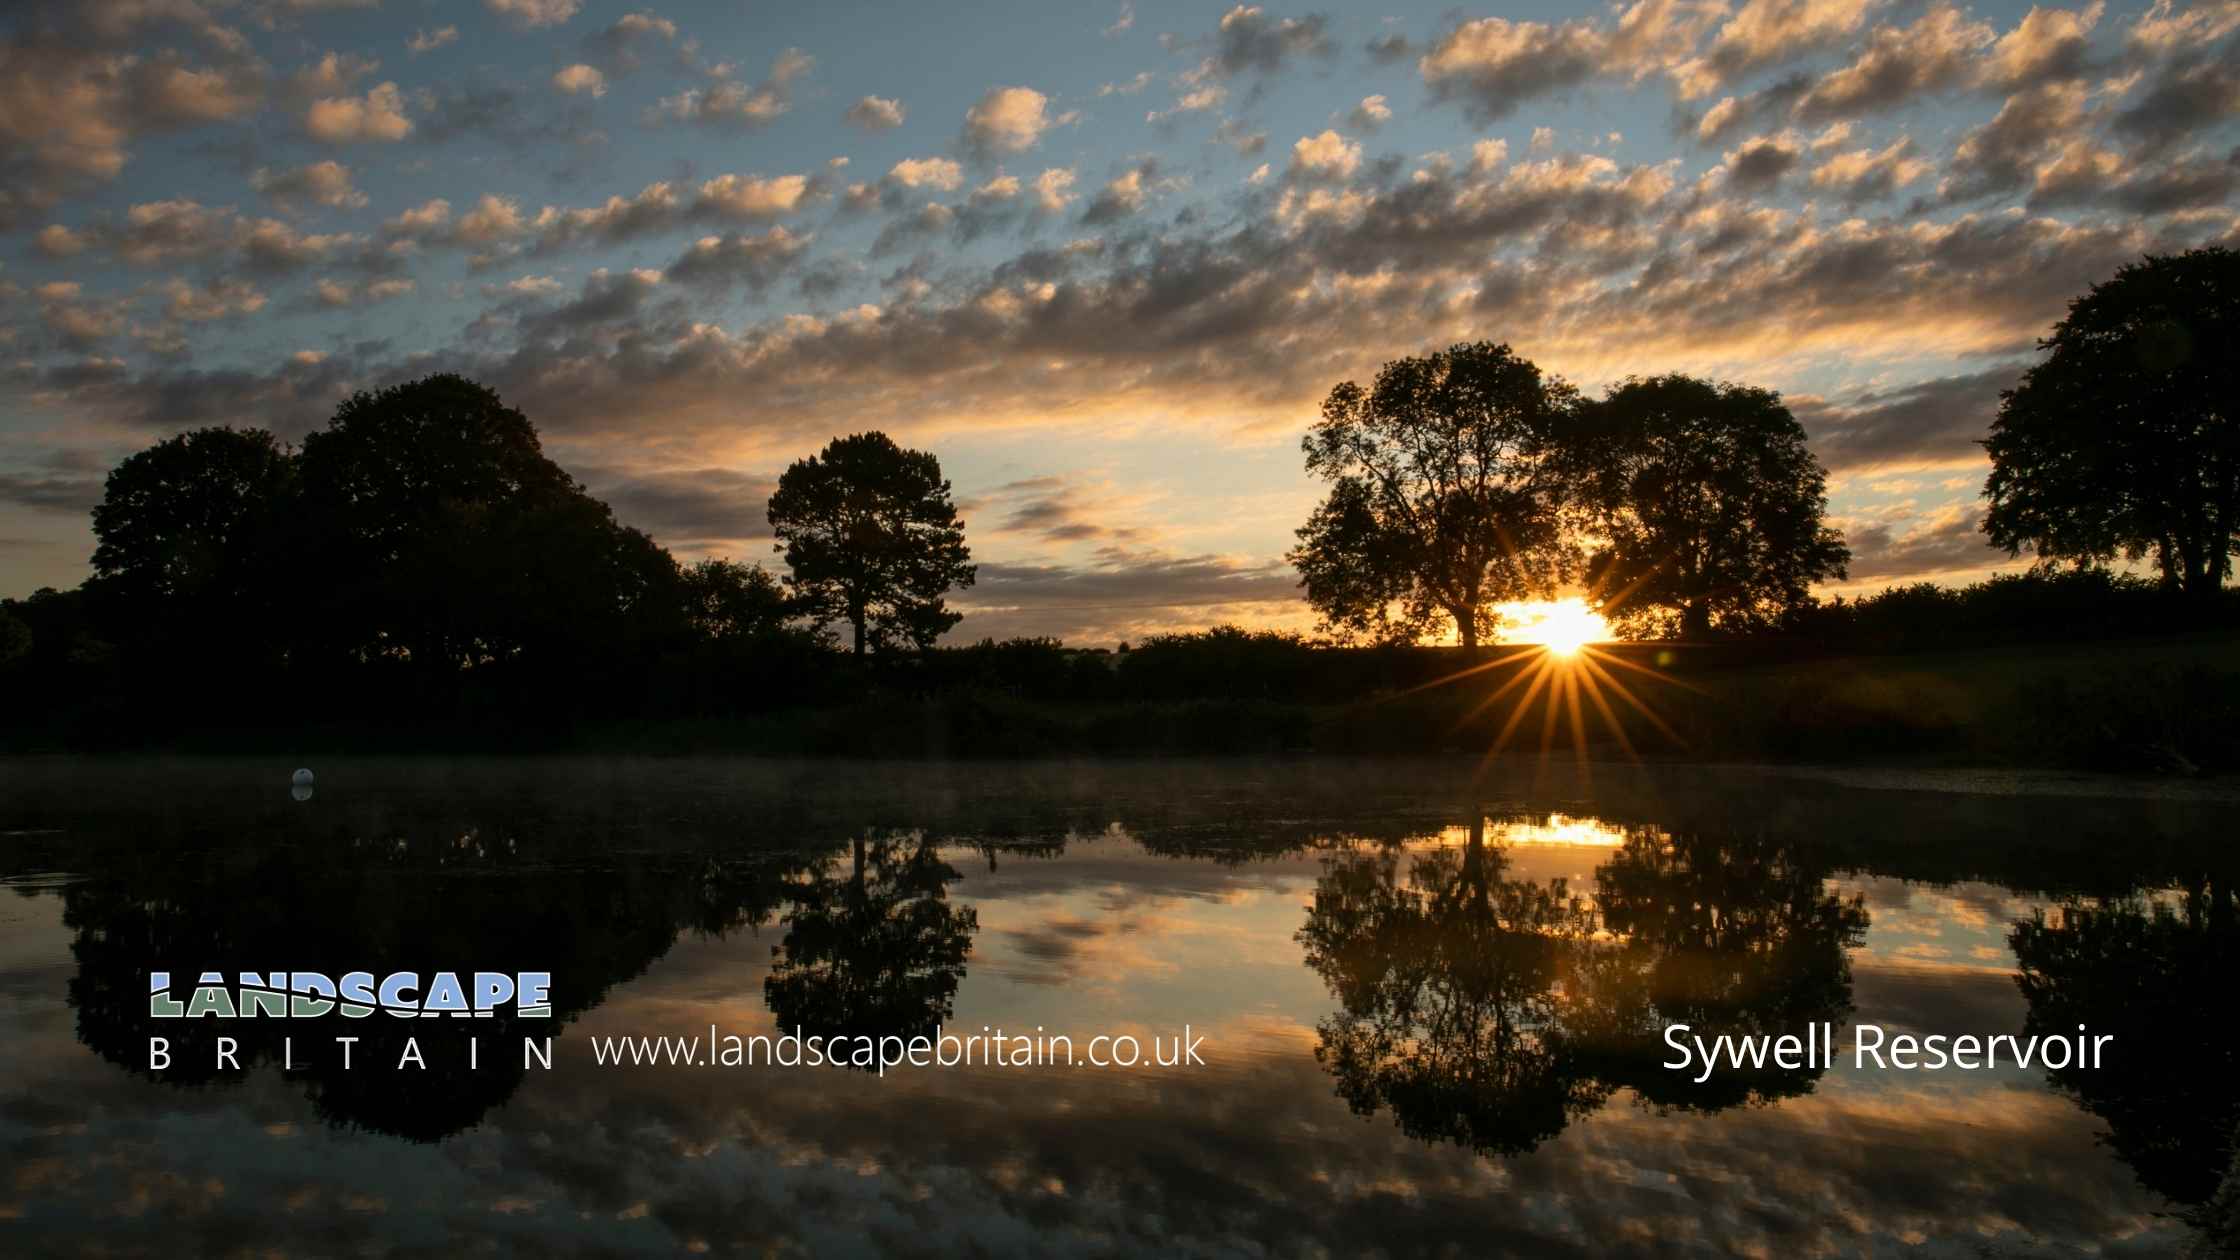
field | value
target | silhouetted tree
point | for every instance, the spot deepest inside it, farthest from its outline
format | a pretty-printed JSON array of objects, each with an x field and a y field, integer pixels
[
  {"x": 873, "y": 539},
  {"x": 2126, "y": 438},
  {"x": 441, "y": 534},
  {"x": 728, "y": 601},
  {"x": 15, "y": 637},
  {"x": 1708, "y": 503},
  {"x": 1444, "y": 496},
  {"x": 191, "y": 537}
]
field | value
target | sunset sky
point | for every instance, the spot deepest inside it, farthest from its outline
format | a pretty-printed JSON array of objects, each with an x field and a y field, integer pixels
[{"x": 1104, "y": 259}]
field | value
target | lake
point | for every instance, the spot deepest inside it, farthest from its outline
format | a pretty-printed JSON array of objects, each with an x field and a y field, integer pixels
[{"x": 1430, "y": 999}]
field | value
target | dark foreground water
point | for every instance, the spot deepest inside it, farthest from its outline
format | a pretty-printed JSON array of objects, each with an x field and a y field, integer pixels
[{"x": 1431, "y": 1006}]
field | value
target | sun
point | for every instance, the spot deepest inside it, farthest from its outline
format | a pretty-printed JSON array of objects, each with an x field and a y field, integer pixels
[{"x": 1562, "y": 626}]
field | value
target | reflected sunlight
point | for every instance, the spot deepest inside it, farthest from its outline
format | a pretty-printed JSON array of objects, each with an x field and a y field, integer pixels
[
  {"x": 1562, "y": 626},
  {"x": 1551, "y": 829}
]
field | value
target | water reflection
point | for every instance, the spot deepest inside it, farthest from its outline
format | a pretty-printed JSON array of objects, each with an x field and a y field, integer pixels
[
  {"x": 1491, "y": 1011},
  {"x": 2155, "y": 973},
  {"x": 873, "y": 947},
  {"x": 1492, "y": 990}
]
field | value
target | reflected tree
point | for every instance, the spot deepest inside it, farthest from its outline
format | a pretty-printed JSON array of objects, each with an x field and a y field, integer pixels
[
  {"x": 1450, "y": 985},
  {"x": 2152, "y": 974},
  {"x": 873, "y": 947},
  {"x": 1491, "y": 1012},
  {"x": 1734, "y": 935},
  {"x": 424, "y": 901}
]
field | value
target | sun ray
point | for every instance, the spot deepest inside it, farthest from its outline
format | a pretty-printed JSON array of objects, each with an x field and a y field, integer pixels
[{"x": 1626, "y": 694}]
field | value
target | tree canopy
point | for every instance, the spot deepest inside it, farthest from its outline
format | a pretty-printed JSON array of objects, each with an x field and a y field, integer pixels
[
  {"x": 2125, "y": 439},
  {"x": 190, "y": 534},
  {"x": 459, "y": 543},
  {"x": 1708, "y": 505},
  {"x": 1445, "y": 495},
  {"x": 873, "y": 539}
]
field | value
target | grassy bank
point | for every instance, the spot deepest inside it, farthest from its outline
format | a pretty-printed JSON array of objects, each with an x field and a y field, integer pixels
[
  {"x": 2167, "y": 706},
  {"x": 2143, "y": 705}
]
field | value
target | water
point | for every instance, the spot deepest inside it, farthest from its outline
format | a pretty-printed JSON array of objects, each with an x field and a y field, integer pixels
[{"x": 1430, "y": 1003}]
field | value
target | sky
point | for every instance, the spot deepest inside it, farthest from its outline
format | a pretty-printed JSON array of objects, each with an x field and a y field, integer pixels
[{"x": 1103, "y": 259}]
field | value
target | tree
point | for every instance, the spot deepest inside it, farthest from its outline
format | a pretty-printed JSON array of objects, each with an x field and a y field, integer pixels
[
  {"x": 1708, "y": 503},
  {"x": 15, "y": 637},
  {"x": 443, "y": 535},
  {"x": 190, "y": 534},
  {"x": 1444, "y": 497},
  {"x": 873, "y": 539},
  {"x": 2126, "y": 438},
  {"x": 726, "y": 601}
]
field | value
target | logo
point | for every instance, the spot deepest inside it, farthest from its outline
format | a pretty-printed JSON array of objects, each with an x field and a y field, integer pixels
[{"x": 358, "y": 994}]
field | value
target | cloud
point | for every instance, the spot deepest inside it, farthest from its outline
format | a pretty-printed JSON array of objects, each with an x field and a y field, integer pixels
[
  {"x": 428, "y": 41},
  {"x": 1249, "y": 39},
  {"x": 938, "y": 173},
  {"x": 318, "y": 184},
  {"x": 1325, "y": 156},
  {"x": 1053, "y": 189},
  {"x": 580, "y": 78},
  {"x": 754, "y": 196},
  {"x": 1123, "y": 591},
  {"x": 754, "y": 262},
  {"x": 1761, "y": 162},
  {"x": 1928, "y": 423},
  {"x": 687, "y": 508},
  {"x": 1054, "y": 510},
  {"x": 1897, "y": 65},
  {"x": 1766, "y": 33},
  {"x": 2084, "y": 174},
  {"x": 2191, "y": 92},
  {"x": 57, "y": 241},
  {"x": 1010, "y": 120},
  {"x": 1388, "y": 49},
  {"x": 1857, "y": 176},
  {"x": 1121, "y": 196},
  {"x": 736, "y": 105},
  {"x": 534, "y": 13},
  {"x": 616, "y": 48},
  {"x": 876, "y": 113},
  {"x": 1373, "y": 112},
  {"x": 1947, "y": 540},
  {"x": 1195, "y": 101},
  {"x": 1493, "y": 65},
  {"x": 72, "y": 107},
  {"x": 219, "y": 298},
  {"x": 2046, "y": 45},
  {"x": 335, "y": 293},
  {"x": 378, "y": 115},
  {"x": 70, "y": 495},
  {"x": 2000, "y": 156}
]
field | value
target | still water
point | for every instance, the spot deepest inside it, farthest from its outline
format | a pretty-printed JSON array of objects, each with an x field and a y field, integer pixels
[{"x": 1430, "y": 1000}]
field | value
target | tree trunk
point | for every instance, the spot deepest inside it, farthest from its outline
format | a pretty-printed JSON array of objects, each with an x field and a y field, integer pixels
[
  {"x": 1695, "y": 620},
  {"x": 858, "y": 619},
  {"x": 1468, "y": 624}
]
